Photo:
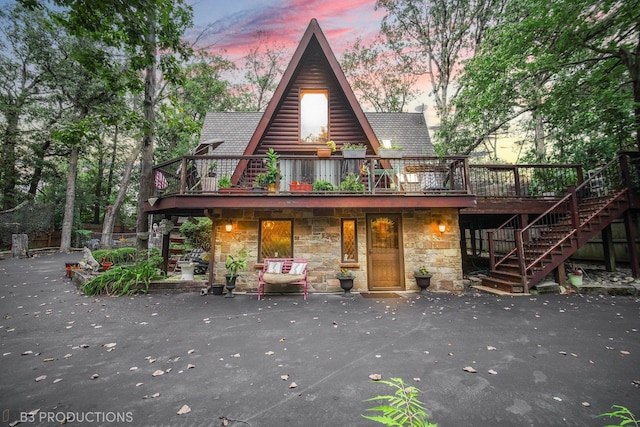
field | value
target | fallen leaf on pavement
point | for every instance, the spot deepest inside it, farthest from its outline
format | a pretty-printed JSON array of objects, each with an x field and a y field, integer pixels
[
  {"x": 41, "y": 377},
  {"x": 375, "y": 377},
  {"x": 158, "y": 373},
  {"x": 293, "y": 385},
  {"x": 184, "y": 410},
  {"x": 469, "y": 369}
]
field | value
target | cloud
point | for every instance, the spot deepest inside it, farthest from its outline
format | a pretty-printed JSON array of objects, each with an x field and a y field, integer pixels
[{"x": 283, "y": 22}]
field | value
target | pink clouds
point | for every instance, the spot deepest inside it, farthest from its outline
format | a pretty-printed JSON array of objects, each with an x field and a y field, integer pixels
[{"x": 283, "y": 22}]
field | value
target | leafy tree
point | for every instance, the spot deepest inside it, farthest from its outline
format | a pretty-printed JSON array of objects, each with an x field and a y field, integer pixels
[
  {"x": 569, "y": 70},
  {"x": 149, "y": 32},
  {"x": 203, "y": 89},
  {"x": 264, "y": 66},
  {"x": 23, "y": 41},
  {"x": 433, "y": 37},
  {"x": 378, "y": 77}
]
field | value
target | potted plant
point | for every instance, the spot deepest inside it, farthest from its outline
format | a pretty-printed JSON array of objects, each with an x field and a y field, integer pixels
[
  {"x": 326, "y": 151},
  {"x": 575, "y": 277},
  {"x": 270, "y": 178},
  {"x": 346, "y": 281},
  {"x": 209, "y": 181},
  {"x": 233, "y": 264},
  {"x": 390, "y": 151},
  {"x": 106, "y": 261},
  {"x": 354, "y": 151},
  {"x": 352, "y": 183},
  {"x": 224, "y": 181},
  {"x": 322, "y": 185},
  {"x": 423, "y": 278}
]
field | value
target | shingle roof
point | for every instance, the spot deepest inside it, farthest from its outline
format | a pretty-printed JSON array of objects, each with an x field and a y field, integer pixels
[{"x": 236, "y": 128}]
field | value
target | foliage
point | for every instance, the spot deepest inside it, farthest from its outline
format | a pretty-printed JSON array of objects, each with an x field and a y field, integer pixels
[
  {"x": 273, "y": 172},
  {"x": 236, "y": 262},
  {"x": 117, "y": 256},
  {"x": 403, "y": 409},
  {"x": 264, "y": 64},
  {"x": 422, "y": 271},
  {"x": 332, "y": 145},
  {"x": 435, "y": 37},
  {"x": 198, "y": 232},
  {"x": 625, "y": 415},
  {"x": 322, "y": 185},
  {"x": 126, "y": 279},
  {"x": 345, "y": 273},
  {"x": 378, "y": 75},
  {"x": 224, "y": 181},
  {"x": 568, "y": 71},
  {"x": 351, "y": 146},
  {"x": 352, "y": 183}
]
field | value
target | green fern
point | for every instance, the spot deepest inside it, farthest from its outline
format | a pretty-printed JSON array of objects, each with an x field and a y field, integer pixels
[
  {"x": 626, "y": 416},
  {"x": 403, "y": 409}
]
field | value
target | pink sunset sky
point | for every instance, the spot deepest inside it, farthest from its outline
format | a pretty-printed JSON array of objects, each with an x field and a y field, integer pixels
[{"x": 230, "y": 27}]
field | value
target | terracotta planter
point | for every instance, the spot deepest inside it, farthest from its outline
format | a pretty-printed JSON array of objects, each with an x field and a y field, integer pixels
[{"x": 324, "y": 152}]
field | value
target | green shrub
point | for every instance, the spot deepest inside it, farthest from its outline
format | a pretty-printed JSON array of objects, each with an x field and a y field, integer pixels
[
  {"x": 117, "y": 256},
  {"x": 125, "y": 279}
]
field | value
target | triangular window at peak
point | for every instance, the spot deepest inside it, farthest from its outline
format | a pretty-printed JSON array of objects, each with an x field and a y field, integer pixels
[{"x": 314, "y": 115}]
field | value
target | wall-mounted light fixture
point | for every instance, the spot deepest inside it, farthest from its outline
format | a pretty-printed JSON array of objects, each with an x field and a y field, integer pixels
[
  {"x": 441, "y": 227},
  {"x": 228, "y": 227}
]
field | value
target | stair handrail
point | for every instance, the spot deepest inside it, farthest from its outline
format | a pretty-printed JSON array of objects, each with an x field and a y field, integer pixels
[
  {"x": 492, "y": 242},
  {"x": 571, "y": 198}
]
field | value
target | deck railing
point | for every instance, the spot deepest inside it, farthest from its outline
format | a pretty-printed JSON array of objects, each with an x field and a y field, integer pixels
[
  {"x": 510, "y": 238},
  {"x": 523, "y": 181},
  {"x": 193, "y": 175}
]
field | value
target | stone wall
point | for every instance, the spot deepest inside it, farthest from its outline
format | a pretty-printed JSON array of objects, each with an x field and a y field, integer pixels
[{"x": 317, "y": 237}]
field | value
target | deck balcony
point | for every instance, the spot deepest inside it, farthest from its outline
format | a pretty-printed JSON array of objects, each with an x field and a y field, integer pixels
[{"x": 198, "y": 182}]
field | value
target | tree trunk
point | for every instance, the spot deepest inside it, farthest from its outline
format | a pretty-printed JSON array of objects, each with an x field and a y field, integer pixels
[
  {"x": 9, "y": 172},
  {"x": 149, "y": 129},
  {"x": 69, "y": 204},
  {"x": 111, "y": 211}
]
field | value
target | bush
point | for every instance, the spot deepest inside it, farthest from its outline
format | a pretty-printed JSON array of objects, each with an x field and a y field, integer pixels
[{"x": 125, "y": 279}]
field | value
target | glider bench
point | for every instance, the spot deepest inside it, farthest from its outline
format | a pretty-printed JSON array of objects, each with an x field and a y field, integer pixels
[{"x": 283, "y": 271}]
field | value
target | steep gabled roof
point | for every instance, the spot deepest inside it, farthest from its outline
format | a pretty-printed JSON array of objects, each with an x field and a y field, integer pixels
[
  {"x": 313, "y": 32},
  {"x": 406, "y": 129}
]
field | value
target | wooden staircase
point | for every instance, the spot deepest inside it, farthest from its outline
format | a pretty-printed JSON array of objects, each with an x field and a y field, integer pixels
[{"x": 520, "y": 257}]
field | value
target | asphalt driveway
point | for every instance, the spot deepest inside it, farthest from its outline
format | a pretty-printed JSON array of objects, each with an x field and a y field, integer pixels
[{"x": 545, "y": 360}]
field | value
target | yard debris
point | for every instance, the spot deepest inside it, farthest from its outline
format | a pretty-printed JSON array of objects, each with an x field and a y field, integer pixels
[
  {"x": 157, "y": 373},
  {"x": 293, "y": 385},
  {"x": 375, "y": 377},
  {"x": 469, "y": 369},
  {"x": 41, "y": 377},
  {"x": 184, "y": 410}
]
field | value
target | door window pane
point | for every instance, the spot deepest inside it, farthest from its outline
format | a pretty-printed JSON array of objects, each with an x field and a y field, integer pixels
[{"x": 349, "y": 241}]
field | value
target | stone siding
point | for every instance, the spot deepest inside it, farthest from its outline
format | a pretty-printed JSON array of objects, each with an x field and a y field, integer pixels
[{"x": 317, "y": 232}]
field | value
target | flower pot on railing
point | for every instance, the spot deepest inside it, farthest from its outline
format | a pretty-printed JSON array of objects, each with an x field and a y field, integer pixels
[
  {"x": 354, "y": 153},
  {"x": 390, "y": 153}
]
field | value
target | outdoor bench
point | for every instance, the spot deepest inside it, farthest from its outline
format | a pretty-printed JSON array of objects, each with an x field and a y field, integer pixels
[{"x": 283, "y": 271}]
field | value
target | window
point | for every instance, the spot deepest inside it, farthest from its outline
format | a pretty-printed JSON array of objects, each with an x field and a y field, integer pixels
[
  {"x": 275, "y": 239},
  {"x": 349, "y": 241},
  {"x": 314, "y": 115}
]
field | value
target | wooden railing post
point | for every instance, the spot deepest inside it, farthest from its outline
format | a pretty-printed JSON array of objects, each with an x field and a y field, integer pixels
[
  {"x": 521, "y": 260},
  {"x": 492, "y": 251},
  {"x": 183, "y": 176},
  {"x": 575, "y": 211}
]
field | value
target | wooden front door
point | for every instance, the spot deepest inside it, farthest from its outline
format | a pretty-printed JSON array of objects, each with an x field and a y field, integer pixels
[{"x": 384, "y": 252}]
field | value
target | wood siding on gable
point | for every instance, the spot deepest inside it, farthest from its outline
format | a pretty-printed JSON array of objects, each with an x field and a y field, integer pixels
[{"x": 314, "y": 72}]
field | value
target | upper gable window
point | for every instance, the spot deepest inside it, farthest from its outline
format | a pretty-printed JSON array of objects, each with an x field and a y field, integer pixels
[{"x": 314, "y": 115}]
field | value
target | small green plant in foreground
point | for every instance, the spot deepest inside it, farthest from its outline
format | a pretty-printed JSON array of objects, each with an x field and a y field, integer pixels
[
  {"x": 626, "y": 416},
  {"x": 403, "y": 409}
]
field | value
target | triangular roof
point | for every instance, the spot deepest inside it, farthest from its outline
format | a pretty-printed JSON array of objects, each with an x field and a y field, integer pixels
[
  {"x": 313, "y": 32},
  {"x": 236, "y": 128}
]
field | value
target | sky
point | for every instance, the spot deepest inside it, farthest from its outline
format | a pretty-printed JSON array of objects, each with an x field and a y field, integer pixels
[{"x": 232, "y": 24}]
